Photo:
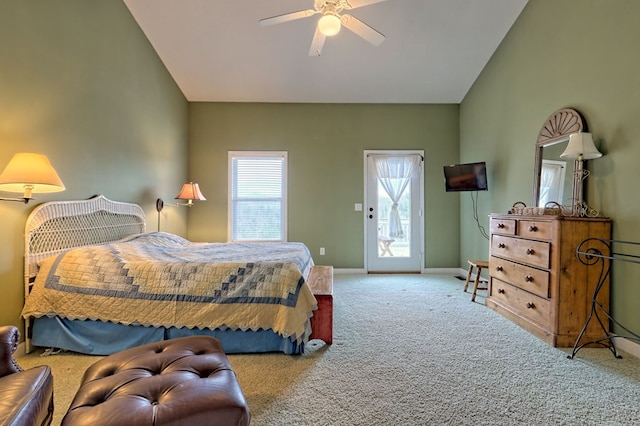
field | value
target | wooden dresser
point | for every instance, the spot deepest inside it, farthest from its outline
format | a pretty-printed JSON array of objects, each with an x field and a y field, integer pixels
[{"x": 536, "y": 280}]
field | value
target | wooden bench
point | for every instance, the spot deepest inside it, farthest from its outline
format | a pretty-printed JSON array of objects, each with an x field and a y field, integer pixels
[{"x": 321, "y": 284}]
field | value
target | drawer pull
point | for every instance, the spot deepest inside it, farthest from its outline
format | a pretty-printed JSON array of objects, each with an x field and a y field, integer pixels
[
  {"x": 501, "y": 290},
  {"x": 531, "y": 251},
  {"x": 501, "y": 245},
  {"x": 533, "y": 228},
  {"x": 530, "y": 305},
  {"x": 528, "y": 278},
  {"x": 499, "y": 268},
  {"x": 501, "y": 226}
]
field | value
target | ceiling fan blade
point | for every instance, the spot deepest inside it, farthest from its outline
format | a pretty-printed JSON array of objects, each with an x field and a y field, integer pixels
[
  {"x": 353, "y": 4},
  {"x": 278, "y": 19},
  {"x": 317, "y": 43},
  {"x": 363, "y": 30}
]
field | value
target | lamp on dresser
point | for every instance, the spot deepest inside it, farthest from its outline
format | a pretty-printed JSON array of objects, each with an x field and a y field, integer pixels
[
  {"x": 580, "y": 148},
  {"x": 29, "y": 173}
]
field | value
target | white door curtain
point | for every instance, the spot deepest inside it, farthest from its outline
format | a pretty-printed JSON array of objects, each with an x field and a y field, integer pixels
[{"x": 394, "y": 173}]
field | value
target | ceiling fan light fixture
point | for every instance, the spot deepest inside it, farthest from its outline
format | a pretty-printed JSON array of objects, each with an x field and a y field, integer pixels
[{"x": 329, "y": 24}]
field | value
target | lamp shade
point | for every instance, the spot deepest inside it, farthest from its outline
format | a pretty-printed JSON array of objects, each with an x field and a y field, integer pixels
[
  {"x": 581, "y": 144},
  {"x": 28, "y": 172},
  {"x": 329, "y": 24},
  {"x": 190, "y": 191}
]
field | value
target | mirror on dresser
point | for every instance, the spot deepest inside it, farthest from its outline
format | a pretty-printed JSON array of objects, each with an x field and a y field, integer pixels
[{"x": 553, "y": 177}]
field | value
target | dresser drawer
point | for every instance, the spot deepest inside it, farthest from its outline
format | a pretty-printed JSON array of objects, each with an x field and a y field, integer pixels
[
  {"x": 502, "y": 226},
  {"x": 535, "y": 230},
  {"x": 535, "y": 253},
  {"x": 522, "y": 303},
  {"x": 533, "y": 280}
]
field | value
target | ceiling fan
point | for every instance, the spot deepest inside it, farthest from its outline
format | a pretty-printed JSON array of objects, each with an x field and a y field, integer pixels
[{"x": 331, "y": 21}]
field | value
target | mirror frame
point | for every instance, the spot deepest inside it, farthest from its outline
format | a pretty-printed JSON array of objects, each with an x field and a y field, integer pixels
[{"x": 556, "y": 129}]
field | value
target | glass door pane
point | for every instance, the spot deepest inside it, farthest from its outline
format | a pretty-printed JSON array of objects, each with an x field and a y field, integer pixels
[{"x": 394, "y": 245}]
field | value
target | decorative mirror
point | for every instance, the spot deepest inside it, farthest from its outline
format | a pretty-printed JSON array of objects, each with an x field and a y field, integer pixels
[{"x": 553, "y": 177}]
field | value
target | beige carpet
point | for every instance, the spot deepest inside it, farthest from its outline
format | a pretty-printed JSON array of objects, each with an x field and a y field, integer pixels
[{"x": 414, "y": 350}]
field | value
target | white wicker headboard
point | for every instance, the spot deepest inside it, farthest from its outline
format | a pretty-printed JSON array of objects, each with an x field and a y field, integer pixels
[{"x": 58, "y": 226}]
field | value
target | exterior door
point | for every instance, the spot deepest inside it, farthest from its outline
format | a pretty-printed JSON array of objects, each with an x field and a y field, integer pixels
[{"x": 394, "y": 225}]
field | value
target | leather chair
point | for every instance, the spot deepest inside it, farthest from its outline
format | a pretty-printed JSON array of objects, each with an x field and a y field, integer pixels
[{"x": 26, "y": 396}]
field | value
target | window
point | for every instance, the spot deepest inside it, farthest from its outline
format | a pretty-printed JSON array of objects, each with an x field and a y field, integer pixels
[{"x": 257, "y": 196}]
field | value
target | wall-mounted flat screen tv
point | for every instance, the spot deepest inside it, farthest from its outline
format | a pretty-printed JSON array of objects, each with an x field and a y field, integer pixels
[{"x": 466, "y": 177}]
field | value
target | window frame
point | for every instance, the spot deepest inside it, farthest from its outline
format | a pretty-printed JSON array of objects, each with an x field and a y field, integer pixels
[{"x": 232, "y": 155}]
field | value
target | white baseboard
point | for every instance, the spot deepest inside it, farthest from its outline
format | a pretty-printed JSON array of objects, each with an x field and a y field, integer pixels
[
  {"x": 348, "y": 271},
  {"x": 450, "y": 271},
  {"x": 628, "y": 346}
]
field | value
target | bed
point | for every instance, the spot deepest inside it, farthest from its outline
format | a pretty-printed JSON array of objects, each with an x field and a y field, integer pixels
[{"x": 97, "y": 283}]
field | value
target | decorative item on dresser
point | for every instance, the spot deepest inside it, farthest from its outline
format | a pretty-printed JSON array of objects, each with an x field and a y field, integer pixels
[
  {"x": 553, "y": 177},
  {"x": 581, "y": 148},
  {"x": 536, "y": 280}
]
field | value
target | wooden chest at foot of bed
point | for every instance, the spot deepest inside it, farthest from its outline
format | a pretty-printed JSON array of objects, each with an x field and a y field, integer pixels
[{"x": 321, "y": 285}]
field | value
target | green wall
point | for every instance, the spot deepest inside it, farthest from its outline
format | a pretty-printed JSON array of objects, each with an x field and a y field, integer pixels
[
  {"x": 563, "y": 53},
  {"x": 80, "y": 83},
  {"x": 326, "y": 144}
]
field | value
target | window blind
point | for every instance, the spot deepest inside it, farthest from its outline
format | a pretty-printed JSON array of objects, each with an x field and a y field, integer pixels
[{"x": 257, "y": 197}]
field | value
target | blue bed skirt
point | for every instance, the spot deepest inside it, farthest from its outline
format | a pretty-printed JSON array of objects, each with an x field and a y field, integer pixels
[{"x": 105, "y": 338}]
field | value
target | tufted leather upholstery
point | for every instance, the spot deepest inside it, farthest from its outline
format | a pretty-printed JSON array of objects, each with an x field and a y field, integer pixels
[
  {"x": 26, "y": 397},
  {"x": 184, "y": 381}
]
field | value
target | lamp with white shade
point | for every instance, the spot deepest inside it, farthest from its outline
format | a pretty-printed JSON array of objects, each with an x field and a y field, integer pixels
[
  {"x": 29, "y": 174},
  {"x": 580, "y": 148}
]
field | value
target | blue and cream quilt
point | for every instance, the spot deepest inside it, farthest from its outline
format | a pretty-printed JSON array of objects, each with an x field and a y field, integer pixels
[{"x": 162, "y": 280}]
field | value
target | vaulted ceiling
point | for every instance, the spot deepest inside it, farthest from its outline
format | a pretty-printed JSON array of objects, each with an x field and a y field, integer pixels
[{"x": 217, "y": 51}]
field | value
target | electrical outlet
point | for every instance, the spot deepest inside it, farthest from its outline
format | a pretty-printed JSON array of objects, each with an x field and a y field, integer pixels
[{"x": 321, "y": 251}]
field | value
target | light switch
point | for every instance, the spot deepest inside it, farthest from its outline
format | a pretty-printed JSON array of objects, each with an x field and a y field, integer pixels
[{"x": 358, "y": 207}]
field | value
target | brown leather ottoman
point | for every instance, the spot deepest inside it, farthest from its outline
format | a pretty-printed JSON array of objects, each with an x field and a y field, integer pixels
[{"x": 184, "y": 381}]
